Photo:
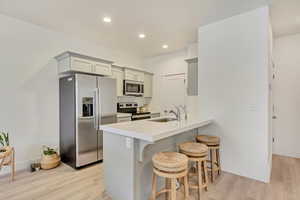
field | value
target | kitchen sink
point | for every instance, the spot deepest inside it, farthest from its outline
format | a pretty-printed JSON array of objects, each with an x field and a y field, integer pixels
[{"x": 168, "y": 119}]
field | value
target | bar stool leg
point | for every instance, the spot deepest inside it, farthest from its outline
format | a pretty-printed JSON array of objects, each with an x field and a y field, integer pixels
[
  {"x": 186, "y": 187},
  {"x": 154, "y": 182},
  {"x": 199, "y": 179},
  {"x": 173, "y": 189},
  {"x": 12, "y": 163},
  {"x": 168, "y": 186},
  {"x": 212, "y": 159},
  {"x": 205, "y": 174},
  {"x": 218, "y": 161}
]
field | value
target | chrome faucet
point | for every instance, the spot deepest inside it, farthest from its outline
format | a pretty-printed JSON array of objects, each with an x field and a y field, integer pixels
[
  {"x": 185, "y": 111},
  {"x": 176, "y": 113}
]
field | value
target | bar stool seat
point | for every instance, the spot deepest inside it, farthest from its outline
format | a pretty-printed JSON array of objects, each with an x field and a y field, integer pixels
[
  {"x": 213, "y": 144},
  {"x": 197, "y": 153},
  {"x": 208, "y": 140},
  {"x": 193, "y": 149},
  {"x": 171, "y": 166},
  {"x": 170, "y": 161}
]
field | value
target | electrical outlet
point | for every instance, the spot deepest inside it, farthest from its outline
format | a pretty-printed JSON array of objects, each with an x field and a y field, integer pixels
[{"x": 128, "y": 143}]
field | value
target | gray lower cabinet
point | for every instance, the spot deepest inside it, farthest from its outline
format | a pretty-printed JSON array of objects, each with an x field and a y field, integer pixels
[
  {"x": 127, "y": 175},
  {"x": 192, "y": 77}
]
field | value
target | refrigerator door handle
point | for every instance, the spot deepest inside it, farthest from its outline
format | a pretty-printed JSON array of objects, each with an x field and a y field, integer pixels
[
  {"x": 96, "y": 115},
  {"x": 99, "y": 109}
]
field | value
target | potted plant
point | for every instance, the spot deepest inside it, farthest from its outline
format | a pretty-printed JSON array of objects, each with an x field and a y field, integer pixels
[
  {"x": 5, "y": 149},
  {"x": 50, "y": 158},
  {"x": 4, "y": 142}
]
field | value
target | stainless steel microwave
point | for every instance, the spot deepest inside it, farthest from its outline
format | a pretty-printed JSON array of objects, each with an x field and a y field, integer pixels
[{"x": 133, "y": 88}]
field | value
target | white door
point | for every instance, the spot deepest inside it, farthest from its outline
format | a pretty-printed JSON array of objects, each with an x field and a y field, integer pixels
[{"x": 173, "y": 91}]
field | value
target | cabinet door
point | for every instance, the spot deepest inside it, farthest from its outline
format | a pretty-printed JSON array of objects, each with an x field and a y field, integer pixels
[
  {"x": 134, "y": 75},
  {"x": 192, "y": 79},
  {"x": 192, "y": 76},
  {"x": 81, "y": 65},
  {"x": 102, "y": 69},
  {"x": 148, "y": 79},
  {"x": 119, "y": 76},
  {"x": 140, "y": 76},
  {"x": 131, "y": 75}
]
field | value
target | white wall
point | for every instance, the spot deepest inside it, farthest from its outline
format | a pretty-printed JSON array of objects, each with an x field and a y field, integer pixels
[
  {"x": 233, "y": 90},
  {"x": 29, "y": 83},
  {"x": 287, "y": 95},
  {"x": 171, "y": 63}
]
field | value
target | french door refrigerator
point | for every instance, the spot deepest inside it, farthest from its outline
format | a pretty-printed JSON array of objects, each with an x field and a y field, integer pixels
[{"x": 86, "y": 102}]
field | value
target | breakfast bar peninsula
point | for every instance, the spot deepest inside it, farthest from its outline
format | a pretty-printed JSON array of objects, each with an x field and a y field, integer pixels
[{"x": 128, "y": 149}]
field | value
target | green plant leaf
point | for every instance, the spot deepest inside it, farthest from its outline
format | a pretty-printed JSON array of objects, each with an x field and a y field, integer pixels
[
  {"x": 4, "y": 139},
  {"x": 48, "y": 151},
  {"x": 1, "y": 139}
]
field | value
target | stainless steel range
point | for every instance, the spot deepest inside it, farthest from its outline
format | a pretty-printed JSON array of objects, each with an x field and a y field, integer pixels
[{"x": 132, "y": 107}]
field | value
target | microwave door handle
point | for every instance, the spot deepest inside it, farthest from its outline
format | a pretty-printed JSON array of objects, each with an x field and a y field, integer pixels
[{"x": 124, "y": 87}]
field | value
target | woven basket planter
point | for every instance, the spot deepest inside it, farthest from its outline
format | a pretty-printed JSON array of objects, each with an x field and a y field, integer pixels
[{"x": 50, "y": 161}]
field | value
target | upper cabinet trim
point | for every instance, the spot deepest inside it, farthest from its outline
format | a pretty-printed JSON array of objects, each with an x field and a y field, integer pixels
[
  {"x": 192, "y": 60},
  {"x": 69, "y": 53},
  {"x": 139, "y": 70}
]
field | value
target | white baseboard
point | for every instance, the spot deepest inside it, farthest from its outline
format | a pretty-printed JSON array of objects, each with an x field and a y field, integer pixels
[
  {"x": 287, "y": 155},
  {"x": 261, "y": 179},
  {"x": 20, "y": 166}
]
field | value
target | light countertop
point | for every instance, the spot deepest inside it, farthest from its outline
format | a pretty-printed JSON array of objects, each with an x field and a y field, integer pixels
[
  {"x": 123, "y": 115},
  {"x": 151, "y": 131},
  {"x": 155, "y": 112}
]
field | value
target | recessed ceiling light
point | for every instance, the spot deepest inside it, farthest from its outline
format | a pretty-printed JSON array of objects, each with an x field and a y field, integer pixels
[
  {"x": 165, "y": 46},
  {"x": 107, "y": 19},
  {"x": 142, "y": 35}
]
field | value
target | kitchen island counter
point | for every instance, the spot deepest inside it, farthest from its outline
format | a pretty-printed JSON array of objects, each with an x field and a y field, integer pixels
[
  {"x": 150, "y": 130},
  {"x": 128, "y": 148}
]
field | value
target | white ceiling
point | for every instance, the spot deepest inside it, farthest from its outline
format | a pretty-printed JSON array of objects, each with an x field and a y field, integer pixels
[{"x": 172, "y": 22}]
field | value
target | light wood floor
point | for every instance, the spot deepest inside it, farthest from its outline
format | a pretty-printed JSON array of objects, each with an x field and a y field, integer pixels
[{"x": 64, "y": 183}]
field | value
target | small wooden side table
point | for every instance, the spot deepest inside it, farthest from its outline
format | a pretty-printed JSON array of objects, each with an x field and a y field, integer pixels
[{"x": 7, "y": 158}]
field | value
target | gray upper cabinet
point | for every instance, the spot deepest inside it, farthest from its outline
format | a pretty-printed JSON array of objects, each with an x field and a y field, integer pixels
[
  {"x": 134, "y": 75},
  {"x": 118, "y": 74},
  {"x": 74, "y": 62},
  {"x": 192, "y": 77},
  {"x": 148, "y": 82}
]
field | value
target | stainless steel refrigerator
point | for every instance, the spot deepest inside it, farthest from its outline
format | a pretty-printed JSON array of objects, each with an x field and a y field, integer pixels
[{"x": 86, "y": 102}]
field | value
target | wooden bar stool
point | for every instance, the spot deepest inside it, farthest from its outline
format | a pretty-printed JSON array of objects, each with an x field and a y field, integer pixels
[
  {"x": 197, "y": 153},
  {"x": 8, "y": 159},
  {"x": 213, "y": 144},
  {"x": 171, "y": 166}
]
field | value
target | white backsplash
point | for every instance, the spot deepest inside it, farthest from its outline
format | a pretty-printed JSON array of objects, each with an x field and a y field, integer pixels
[{"x": 140, "y": 100}]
